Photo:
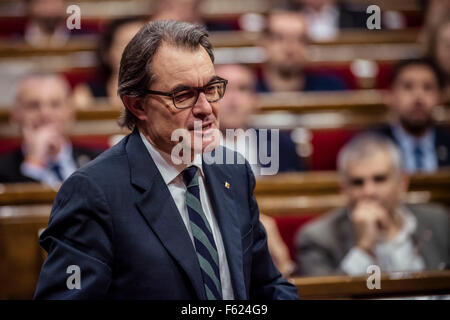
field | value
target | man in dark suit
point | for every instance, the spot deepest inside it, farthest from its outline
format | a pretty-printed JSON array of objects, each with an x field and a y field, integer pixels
[
  {"x": 375, "y": 228},
  {"x": 44, "y": 115},
  {"x": 138, "y": 223},
  {"x": 286, "y": 44},
  {"x": 414, "y": 96}
]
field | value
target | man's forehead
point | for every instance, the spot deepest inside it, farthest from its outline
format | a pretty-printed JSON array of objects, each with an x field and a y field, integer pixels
[
  {"x": 178, "y": 65},
  {"x": 235, "y": 72},
  {"x": 287, "y": 22},
  {"x": 417, "y": 72},
  {"x": 379, "y": 160},
  {"x": 42, "y": 86}
]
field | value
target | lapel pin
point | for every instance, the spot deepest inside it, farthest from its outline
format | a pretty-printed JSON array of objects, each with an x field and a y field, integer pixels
[{"x": 227, "y": 185}]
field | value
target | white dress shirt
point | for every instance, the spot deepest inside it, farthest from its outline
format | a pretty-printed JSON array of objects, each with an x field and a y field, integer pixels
[
  {"x": 398, "y": 254},
  {"x": 173, "y": 178},
  {"x": 323, "y": 25}
]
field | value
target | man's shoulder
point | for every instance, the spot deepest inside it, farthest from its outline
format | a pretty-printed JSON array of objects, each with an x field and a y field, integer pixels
[
  {"x": 11, "y": 156},
  {"x": 430, "y": 213},
  {"x": 10, "y": 163},
  {"x": 107, "y": 164},
  {"x": 324, "y": 228}
]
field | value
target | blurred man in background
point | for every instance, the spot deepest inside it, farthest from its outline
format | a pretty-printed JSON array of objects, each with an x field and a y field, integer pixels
[
  {"x": 44, "y": 114},
  {"x": 115, "y": 37},
  {"x": 326, "y": 17},
  {"x": 46, "y": 25},
  {"x": 375, "y": 228},
  {"x": 179, "y": 10},
  {"x": 415, "y": 94},
  {"x": 237, "y": 106},
  {"x": 285, "y": 41}
]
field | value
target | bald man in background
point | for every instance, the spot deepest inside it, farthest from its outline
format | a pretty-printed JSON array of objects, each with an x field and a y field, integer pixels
[{"x": 44, "y": 114}]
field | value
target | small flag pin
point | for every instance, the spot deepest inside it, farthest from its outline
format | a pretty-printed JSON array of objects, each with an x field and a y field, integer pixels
[{"x": 227, "y": 185}]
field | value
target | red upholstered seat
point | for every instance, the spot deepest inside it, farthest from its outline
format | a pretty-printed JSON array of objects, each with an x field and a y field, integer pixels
[
  {"x": 288, "y": 227},
  {"x": 326, "y": 145}
]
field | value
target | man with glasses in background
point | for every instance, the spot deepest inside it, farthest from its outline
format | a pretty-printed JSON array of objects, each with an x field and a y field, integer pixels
[
  {"x": 139, "y": 226},
  {"x": 376, "y": 227}
]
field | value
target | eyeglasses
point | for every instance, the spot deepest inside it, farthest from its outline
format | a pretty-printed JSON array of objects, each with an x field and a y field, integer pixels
[{"x": 187, "y": 97}]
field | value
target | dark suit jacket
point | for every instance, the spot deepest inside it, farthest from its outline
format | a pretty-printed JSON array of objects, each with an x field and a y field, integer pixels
[
  {"x": 323, "y": 244},
  {"x": 441, "y": 143},
  {"x": 10, "y": 163},
  {"x": 115, "y": 218}
]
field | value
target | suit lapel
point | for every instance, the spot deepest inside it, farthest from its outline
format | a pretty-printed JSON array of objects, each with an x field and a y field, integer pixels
[
  {"x": 159, "y": 210},
  {"x": 225, "y": 211},
  {"x": 423, "y": 239}
]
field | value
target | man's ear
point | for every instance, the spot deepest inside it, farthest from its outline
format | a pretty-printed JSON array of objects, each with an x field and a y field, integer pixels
[
  {"x": 135, "y": 106},
  {"x": 15, "y": 117}
]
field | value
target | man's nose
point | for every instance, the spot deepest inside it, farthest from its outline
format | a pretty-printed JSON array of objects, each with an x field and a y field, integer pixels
[
  {"x": 369, "y": 189},
  {"x": 202, "y": 106},
  {"x": 46, "y": 112}
]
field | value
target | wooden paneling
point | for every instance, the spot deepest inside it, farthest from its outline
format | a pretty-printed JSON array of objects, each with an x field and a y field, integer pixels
[
  {"x": 318, "y": 192},
  {"x": 20, "y": 255},
  {"x": 285, "y": 193},
  {"x": 392, "y": 285}
]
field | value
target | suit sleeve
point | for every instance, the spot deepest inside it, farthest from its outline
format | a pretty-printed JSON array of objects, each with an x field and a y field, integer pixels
[
  {"x": 79, "y": 243},
  {"x": 266, "y": 281},
  {"x": 312, "y": 258}
]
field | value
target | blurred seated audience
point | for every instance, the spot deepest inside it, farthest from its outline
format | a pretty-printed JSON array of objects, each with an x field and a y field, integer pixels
[
  {"x": 414, "y": 95},
  {"x": 236, "y": 107},
  {"x": 326, "y": 17},
  {"x": 434, "y": 12},
  {"x": 44, "y": 114},
  {"x": 375, "y": 228},
  {"x": 439, "y": 49},
  {"x": 116, "y": 36},
  {"x": 179, "y": 10},
  {"x": 286, "y": 43},
  {"x": 46, "y": 24}
]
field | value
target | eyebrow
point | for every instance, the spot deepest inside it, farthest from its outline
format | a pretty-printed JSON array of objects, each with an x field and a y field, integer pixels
[{"x": 181, "y": 87}]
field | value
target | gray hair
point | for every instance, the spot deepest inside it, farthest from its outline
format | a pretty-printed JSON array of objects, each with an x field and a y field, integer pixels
[
  {"x": 40, "y": 75},
  {"x": 135, "y": 73},
  {"x": 364, "y": 146}
]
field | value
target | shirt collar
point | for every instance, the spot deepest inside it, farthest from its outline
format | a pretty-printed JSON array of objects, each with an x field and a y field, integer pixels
[
  {"x": 408, "y": 141},
  {"x": 169, "y": 171}
]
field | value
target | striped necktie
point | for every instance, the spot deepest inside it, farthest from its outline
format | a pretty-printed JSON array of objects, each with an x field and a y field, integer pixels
[
  {"x": 56, "y": 168},
  {"x": 418, "y": 157},
  {"x": 205, "y": 246}
]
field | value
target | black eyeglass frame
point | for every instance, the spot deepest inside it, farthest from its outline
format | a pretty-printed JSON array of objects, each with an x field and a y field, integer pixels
[{"x": 197, "y": 90}]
